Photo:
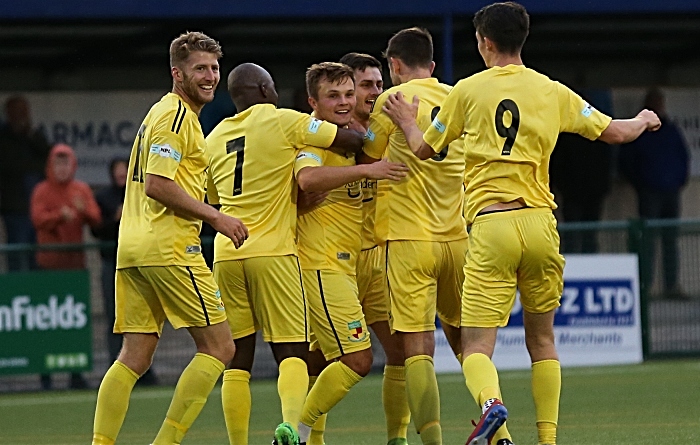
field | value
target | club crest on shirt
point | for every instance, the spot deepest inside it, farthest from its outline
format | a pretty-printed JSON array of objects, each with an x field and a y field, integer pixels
[{"x": 357, "y": 334}]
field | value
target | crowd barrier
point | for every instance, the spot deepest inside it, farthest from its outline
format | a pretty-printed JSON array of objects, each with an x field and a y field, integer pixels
[{"x": 54, "y": 321}]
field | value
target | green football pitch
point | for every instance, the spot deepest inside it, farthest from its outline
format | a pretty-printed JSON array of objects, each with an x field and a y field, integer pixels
[{"x": 651, "y": 403}]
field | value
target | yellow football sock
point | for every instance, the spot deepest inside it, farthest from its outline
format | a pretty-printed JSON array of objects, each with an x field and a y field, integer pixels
[
  {"x": 424, "y": 398},
  {"x": 191, "y": 392},
  {"x": 395, "y": 402},
  {"x": 459, "y": 358},
  {"x": 481, "y": 377},
  {"x": 331, "y": 386},
  {"x": 112, "y": 403},
  {"x": 292, "y": 386},
  {"x": 236, "y": 402},
  {"x": 319, "y": 427},
  {"x": 546, "y": 388},
  {"x": 482, "y": 380}
]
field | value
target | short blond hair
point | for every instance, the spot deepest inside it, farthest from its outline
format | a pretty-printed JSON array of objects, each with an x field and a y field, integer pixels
[{"x": 189, "y": 42}]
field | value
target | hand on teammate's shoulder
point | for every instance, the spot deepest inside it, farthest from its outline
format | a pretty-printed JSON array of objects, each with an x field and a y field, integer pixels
[{"x": 400, "y": 111}]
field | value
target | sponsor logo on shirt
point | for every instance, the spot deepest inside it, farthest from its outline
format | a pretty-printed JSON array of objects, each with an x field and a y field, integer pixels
[
  {"x": 193, "y": 249},
  {"x": 306, "y": 154},
  {"x": 587, "y": 110},
  {"x": 439, "y": 126},
  {"x": 314, "y": 125},
  {"x": 370, "y": 135},
  {"x": 357, "y": 334},
  {"x": 345, "y": 256},
  {"x": 166, "y": 151}
]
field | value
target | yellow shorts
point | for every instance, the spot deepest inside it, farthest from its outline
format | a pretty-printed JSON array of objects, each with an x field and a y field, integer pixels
[
  {"x": 425, "y": 278},
  {"x": 264, "y": 293},
  {"x": 186, "y": 295},
  {"x": 509, "y": 250},
  {"x": 371, "y": 284},
  {"x": 336, "y": 316}
]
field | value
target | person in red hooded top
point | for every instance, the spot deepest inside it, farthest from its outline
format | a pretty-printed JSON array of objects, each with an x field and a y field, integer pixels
[{"x": 60, "y": 207}]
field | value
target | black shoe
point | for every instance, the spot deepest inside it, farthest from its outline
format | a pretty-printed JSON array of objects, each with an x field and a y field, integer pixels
[
  {"x": 77, "y": 381},
  {"x": 504, "y": 442}
]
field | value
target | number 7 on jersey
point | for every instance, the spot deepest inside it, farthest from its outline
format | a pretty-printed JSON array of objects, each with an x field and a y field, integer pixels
[{"x": 237, "y": 145}]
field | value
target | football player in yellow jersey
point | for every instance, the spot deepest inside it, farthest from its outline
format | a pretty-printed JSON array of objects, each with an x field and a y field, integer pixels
[
  {"x": 511, "y": 116},
  {"x": 251, "y": 175},
  {"x": 420, "y": 220},
  {"x": 329, "y": 244},
  {"x": 160, "y": 269},
  {"x": 371, "y": 264}
]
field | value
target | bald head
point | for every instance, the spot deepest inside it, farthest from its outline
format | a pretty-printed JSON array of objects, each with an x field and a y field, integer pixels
[{"x": 250, "y": 84}]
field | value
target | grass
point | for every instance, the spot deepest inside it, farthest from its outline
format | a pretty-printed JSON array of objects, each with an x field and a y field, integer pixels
[{"x": 651, "y": 403}]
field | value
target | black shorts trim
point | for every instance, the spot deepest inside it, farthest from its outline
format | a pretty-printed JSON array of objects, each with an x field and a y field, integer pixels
[
  {"x": 201, "y": 300},
  {"x": 328, "y": 315},
  {"x": 488, "y": 212}
]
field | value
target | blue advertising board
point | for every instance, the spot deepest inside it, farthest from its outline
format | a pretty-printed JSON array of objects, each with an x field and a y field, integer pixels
[{"x": 598, "y": 322}]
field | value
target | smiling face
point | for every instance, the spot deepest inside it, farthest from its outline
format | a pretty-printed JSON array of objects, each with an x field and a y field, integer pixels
[
  {"x": 196, "y": 78},
  {"x": 335, "y": 102},
  {"x": 369, "y": 86}
]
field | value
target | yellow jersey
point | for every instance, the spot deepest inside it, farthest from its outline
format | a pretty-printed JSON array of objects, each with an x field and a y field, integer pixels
[
  {"x": 427, "y": 204},
  {"x": 369, "y": 209},
  {"x": 511, "y": 117},
  {"x": 169, "y": 143},
  {"x": 329, "y": 235},
  {"x": 252, "y": 176}
]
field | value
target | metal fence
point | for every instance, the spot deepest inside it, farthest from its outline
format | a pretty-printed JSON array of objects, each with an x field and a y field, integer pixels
[
  {"x": 670, "y": 306},
  {"x": 669, "y": 274}
]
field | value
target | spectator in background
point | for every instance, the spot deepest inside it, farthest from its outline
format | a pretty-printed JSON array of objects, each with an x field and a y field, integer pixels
[
  {"x": 23, "y": 151},
  {"x": 60, "y": 207},
  {"x": 657, "y": 166},
  {"x": 110, "y": 200},
  {"x": 580, "y": 171}
]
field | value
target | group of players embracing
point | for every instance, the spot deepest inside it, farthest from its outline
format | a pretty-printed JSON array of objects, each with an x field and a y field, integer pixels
[{"x": 354, "y": 217}]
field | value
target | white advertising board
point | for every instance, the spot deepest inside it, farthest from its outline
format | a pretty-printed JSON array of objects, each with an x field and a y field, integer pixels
[{"x": 598, "y": 322}]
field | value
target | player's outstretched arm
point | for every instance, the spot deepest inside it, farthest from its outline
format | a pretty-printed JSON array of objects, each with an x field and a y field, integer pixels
[
  {"x": 347, "y": 141},
  {"x": 622, "y": 131},
  {"x": 168, "y": 193},
  {"x": 404, "y": 115},
  {"x": 323, "y": 179}
]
